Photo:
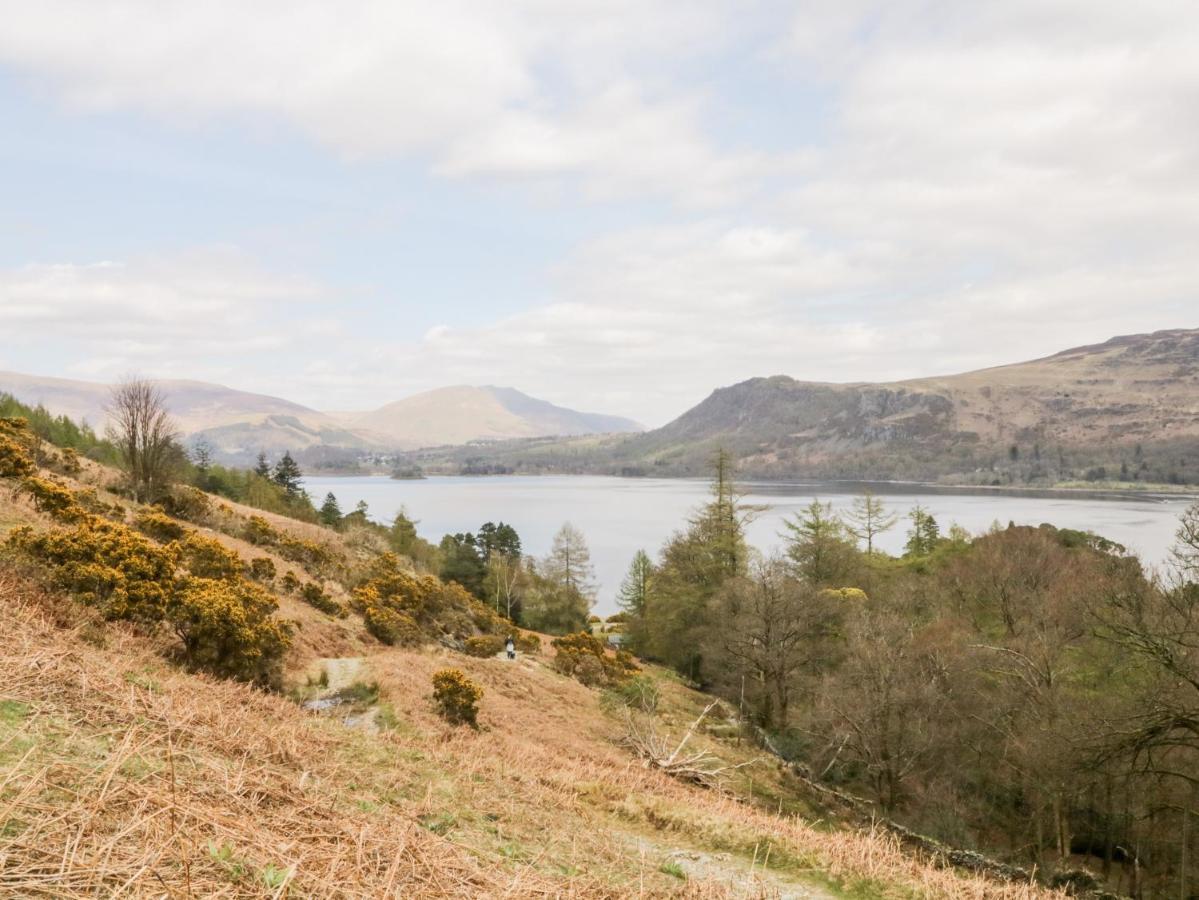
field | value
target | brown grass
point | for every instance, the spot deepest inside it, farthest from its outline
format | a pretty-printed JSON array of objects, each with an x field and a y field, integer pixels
[{"x": 121, "y": 776}]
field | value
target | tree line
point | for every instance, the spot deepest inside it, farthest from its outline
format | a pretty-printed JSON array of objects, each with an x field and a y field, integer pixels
[{"x": 1031, "y": 692}]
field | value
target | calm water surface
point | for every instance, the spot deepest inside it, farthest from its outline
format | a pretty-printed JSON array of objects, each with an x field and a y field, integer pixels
[{"x": 621, "y": 515}]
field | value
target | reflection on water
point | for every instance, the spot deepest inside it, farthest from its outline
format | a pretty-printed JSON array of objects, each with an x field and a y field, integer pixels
[{"x": 621, "y": 515}]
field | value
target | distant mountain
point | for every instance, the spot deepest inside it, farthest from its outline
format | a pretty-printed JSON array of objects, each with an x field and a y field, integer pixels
[
  {"x": 240, "y": 424},
  {"x": 459, "y": 415},
  {"x": 1071, "y": 413},
  {"x": 1127, "y": 409}
]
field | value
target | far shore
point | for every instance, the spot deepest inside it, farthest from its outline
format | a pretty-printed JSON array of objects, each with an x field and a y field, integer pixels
[{"x": 1122, "y": 491}]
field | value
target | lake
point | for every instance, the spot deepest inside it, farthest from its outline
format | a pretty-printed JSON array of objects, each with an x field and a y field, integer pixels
[{"x": 618, "y": 516}]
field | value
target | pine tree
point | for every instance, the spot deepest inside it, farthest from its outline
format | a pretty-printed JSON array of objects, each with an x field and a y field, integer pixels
[
  {"x": 288, "y": 475},
  {"x": 924, "y": 534},
  {"x": 635, "y": 589},
  {"x": 817, "y": 546},
  {"x": 330, "y": 512},
  {"x": 263, "y": 468}
]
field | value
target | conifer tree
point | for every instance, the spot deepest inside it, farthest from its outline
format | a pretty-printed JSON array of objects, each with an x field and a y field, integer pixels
[
  {"x": 330, "y": 512},
  {"x": 635, "y": 589},
  {"x": 263, "y": 467},
  {"x": 288, "y": 475}
]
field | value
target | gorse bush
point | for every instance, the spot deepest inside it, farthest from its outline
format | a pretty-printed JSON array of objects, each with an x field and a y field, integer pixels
[
  {"x": 106, "y": 565},
  {"x": 314, "y": 595},
  {"x": 208, "y": 558},
  {"x": 483, "y": 645},
  {"x": 16, "y": 448},
  {"x": 51, "y": 497},
  {"x": 457, "y": 697},
  {"x": 584, "y": 657},
  {"x": 262, "y": 568},
  {"x": 155, "y": 523},
  {"x": 224, "y": 622},
  {"x": 314, "y": 557},
  {"x": 226, "y": 628}
]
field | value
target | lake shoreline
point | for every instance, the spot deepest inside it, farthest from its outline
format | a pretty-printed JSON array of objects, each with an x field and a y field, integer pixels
[{"x": 1146, "y": 494}]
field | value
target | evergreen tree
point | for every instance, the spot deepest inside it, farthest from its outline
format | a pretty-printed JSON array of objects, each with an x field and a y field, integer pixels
[
  {"x": 924, "y": 534},
  {"x": 403, "y": 535},
  {"x": 360, "y": 515},
  {"x": 288, "y": 475},
  {"x": 501, "y": 539},
  {"x": 818, "y": 545},
  {"x": 462, "y": 563},
  {"x": 263, "y": 468},
  {"x": 330, "y": 512},
  {"x": 635, "y": 589},
  {"x": 693, "y": 567}
]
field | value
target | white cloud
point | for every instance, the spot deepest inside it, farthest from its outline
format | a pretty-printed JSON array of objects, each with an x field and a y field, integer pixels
[
  {"x": 986, "y": 182},
  {"x": 511, "y": 89},
  {"x": 196, "y": 314}
]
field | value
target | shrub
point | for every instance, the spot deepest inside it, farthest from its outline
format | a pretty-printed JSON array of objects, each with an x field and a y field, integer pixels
[
  {"x": 528, "y": 643},
  {"x": 315, "y": 596},
  {"x": 639, "y": 692},
  {"x": 155, "y": 523},
  {"x": 390, "y": 626},
  {"x": 89, "y": 500},
  {"x": 259, "y": 531},
  {"x": 69, "y": 461},
  {"x": 16, "y": 443},
  {"x": 484, "y": 645},
  {"x": 106, "y": 565},
  {"x": 207, "y": 557},
  {"x": 457, "y": 697},
  {"x": 227, "y": 628},
  {"x": 584, "y": 657},
  {"x": 53, "y": 498},
  {"x": 289, "y": 582},
  {"x": 262, "y": 569},
  {"x": 188, "y": 503}
]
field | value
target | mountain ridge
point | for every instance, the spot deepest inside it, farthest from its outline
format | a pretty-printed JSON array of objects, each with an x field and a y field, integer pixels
[{"x": 238, "y": 424}]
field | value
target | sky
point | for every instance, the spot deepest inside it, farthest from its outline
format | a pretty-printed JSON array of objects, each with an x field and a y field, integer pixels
[{"x": 616, "y": 206}]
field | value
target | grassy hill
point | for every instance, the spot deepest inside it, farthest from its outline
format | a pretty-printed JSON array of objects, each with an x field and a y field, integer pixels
[
  {"x": 1126, "y": 410},
  {"x": 124, "y": 772}
]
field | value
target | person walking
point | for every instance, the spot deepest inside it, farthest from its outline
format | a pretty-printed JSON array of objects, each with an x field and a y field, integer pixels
[{"x": 510, "y": 646}]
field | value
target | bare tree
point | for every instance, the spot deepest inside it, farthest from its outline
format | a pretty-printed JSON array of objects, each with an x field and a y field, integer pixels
[
  {"x": 869, "y": 518},
  {"x": 144, "y": 433}
]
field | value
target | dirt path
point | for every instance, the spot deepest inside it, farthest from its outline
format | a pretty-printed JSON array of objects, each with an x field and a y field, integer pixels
[
  {"x": 342, "y": 672},
  {"x": 741, "y": 875}
]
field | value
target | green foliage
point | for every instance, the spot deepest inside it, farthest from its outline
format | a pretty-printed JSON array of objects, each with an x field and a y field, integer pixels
[
  {"x": 635, "y": 590},
  {"x": 457, "y": 697},
  {"x": 819, "y": 546},
  {"x": 288, "y": 476},
  {"x": 640, "y": 692},
  {"x": 462, "y": 563},
  {"x": 57, "y": 430},
  {"x": 330, "y": 512},
  {"x": 314, "y": 595},
  {"x": 924, "y": 535}
]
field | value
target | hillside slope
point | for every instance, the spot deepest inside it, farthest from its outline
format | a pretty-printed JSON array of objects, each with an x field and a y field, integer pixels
[{"x": 120, "y": 773}]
